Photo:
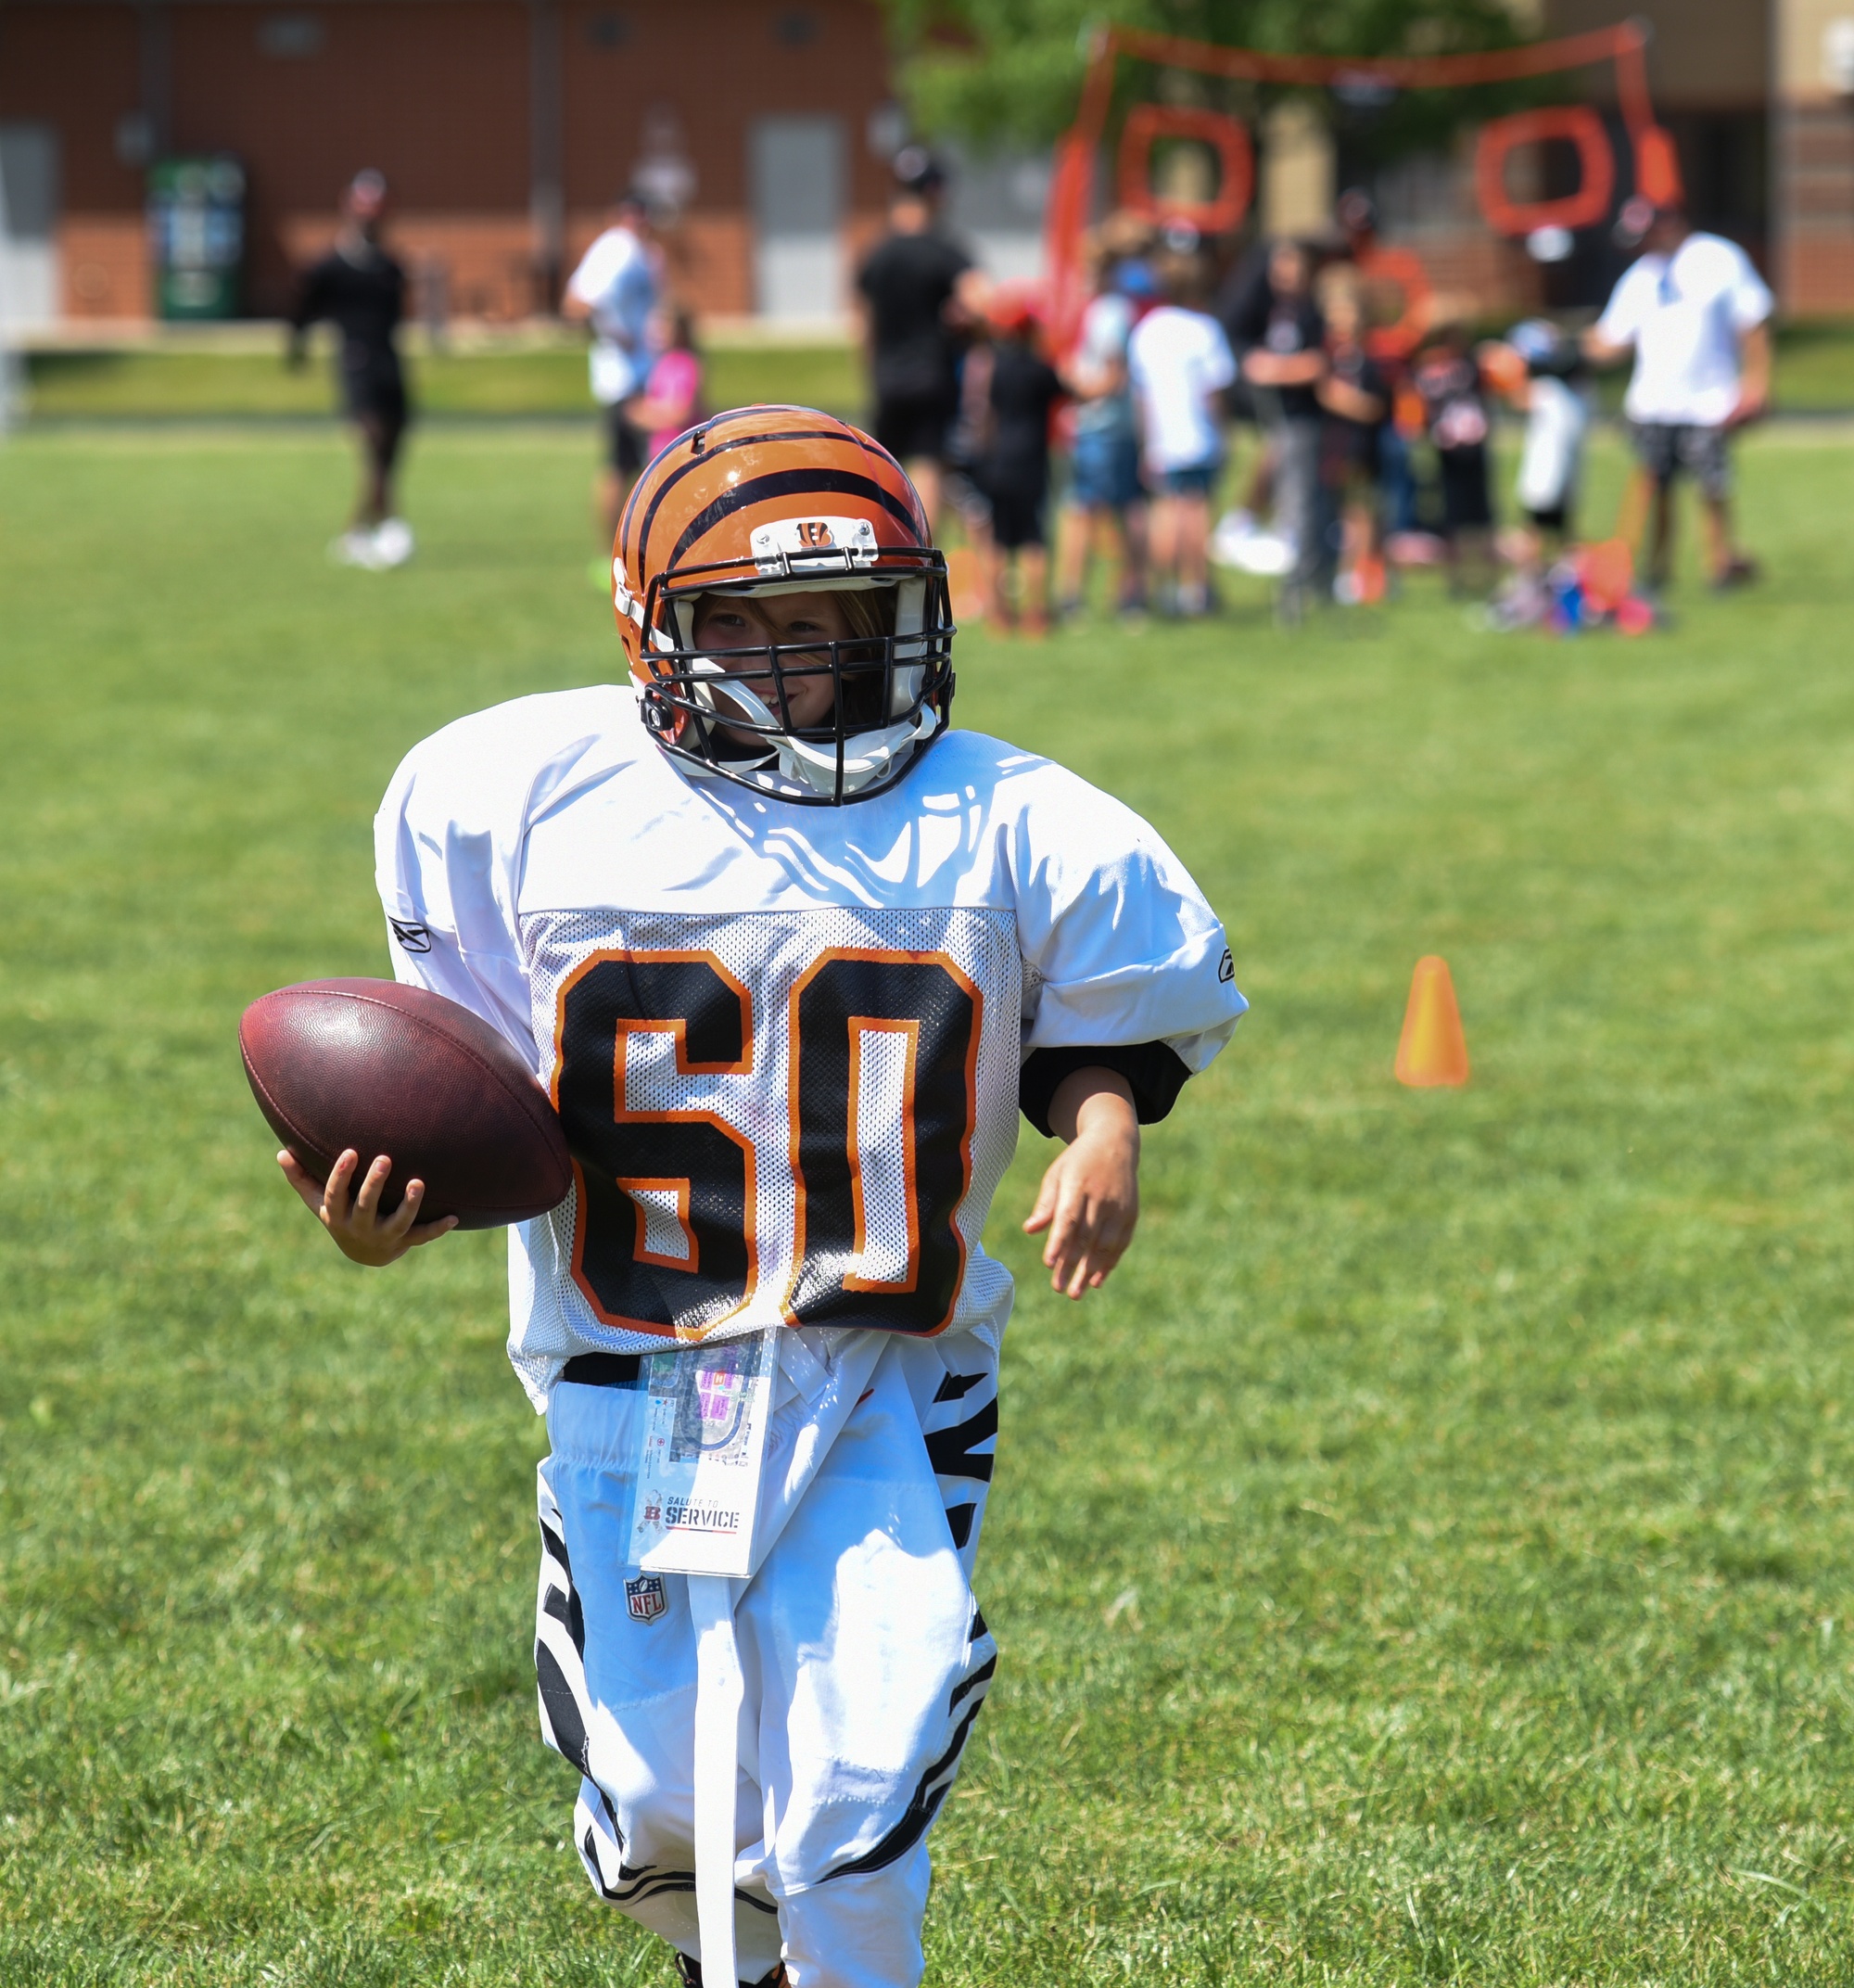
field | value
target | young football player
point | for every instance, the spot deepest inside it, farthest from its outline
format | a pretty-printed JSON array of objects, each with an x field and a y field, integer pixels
[{"x": 790, "y": 956}]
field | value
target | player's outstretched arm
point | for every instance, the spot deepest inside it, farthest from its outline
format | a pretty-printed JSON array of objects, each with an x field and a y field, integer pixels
[
  {"x": 1090, "y": 1200},
  {"x": 362, "y": 1233}
]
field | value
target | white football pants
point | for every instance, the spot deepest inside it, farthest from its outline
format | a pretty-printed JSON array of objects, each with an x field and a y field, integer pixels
[{"x": 857, "y": 1659}]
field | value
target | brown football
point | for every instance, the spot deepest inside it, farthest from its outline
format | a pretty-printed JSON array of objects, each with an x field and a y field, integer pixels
[{"x": 396, "y": 1070}]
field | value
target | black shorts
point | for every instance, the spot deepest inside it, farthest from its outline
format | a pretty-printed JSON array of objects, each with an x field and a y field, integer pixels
[
  {"x": 1553, "y": 517},
  {"x": 625, "y": 442},
  {"x": 1665, "y": 448},
  {"x": 914, "y": 426},
  {"x": 1017, "y": 518},
  {"x": 1466, "y": 506},
  {"x": 375, "y": 392}
]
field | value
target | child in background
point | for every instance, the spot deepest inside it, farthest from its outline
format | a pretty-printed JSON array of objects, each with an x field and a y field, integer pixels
[
  {"x": 1413, "y": 505},
  {"x": 1015, "y": 469},
  {"x": 1105, "y": 505},
  {"x": 1180, "y": 362},
  {"x": 671, "y": 400},
  {"x": 1449, "y": 381},
  {"x": 1551, "y": 384},
  {"x": 1356, "y": 405}
]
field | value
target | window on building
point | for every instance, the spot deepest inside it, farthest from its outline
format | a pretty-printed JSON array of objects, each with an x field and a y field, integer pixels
[{"x": 290, "y": 37}]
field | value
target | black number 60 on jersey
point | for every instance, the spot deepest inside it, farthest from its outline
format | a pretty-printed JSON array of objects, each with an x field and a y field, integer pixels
[{"x": 882, "y": 1055}]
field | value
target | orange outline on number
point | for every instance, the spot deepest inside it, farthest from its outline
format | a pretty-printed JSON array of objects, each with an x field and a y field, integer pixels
[
  {"x": 1501, "y": 137},
  {"x": 861, "y": 1024},
  {"x": 691, "y": 1259},
  {"x": 879, "y": 955},
  {"x": 676, "y": 1027},
  {"x": 1146, "y": 124}
]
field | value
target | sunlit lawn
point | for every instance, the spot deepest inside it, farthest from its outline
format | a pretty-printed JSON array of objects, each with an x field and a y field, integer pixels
[{"x": 1428, "y": 1560}]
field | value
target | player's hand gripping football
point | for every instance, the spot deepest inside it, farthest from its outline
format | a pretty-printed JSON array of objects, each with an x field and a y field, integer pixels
[
  {"x": 362, "y": 1233},
  {"x": 1090, "y": 1200}
]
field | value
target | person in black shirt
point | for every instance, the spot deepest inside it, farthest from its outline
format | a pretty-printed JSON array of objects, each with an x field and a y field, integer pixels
[
  {"x": 1279, "y": 341},
  {"x": 1015, "y": 470},
  {"x": 919, "y": 290},
  {"x": 359, "y": 288},
  {"x": 1449, "y": 379}
]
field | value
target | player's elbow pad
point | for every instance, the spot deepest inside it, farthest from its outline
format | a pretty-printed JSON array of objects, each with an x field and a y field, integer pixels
[{"x": 1154, "y": 1072}]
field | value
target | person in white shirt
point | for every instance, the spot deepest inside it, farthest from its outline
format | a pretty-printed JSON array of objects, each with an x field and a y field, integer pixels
[
  {"x": 616, "y": 289},
  {"x": 1179, "y": 363},
  {"x": 1695, "y": 314}
]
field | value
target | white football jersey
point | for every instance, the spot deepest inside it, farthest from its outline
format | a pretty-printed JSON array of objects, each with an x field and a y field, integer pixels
[{"x": 784, "y": 1040}]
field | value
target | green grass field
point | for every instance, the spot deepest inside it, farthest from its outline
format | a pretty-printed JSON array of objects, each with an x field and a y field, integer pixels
[
  {"x": 1814, "y": 375},
  {"x": 165, "y": 385},
  {"x": 1427, "y": 1561}
]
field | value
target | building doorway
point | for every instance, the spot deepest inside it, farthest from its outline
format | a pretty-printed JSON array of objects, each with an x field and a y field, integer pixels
[
  {"x": 797, "y": 168},
  {"x": 28, "y": 199}
]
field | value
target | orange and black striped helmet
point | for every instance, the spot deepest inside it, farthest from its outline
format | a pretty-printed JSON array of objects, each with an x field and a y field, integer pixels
[{"x": 767, "y": 501}]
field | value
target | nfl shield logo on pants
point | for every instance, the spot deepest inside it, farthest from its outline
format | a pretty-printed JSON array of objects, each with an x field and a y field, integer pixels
[{"x": 645, "y": 1598}]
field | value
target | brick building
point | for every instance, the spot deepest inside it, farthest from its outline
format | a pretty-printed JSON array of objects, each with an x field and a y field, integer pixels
[
  {"x": 504, "y": 126},
  {"x": 1760, "y": 96}
]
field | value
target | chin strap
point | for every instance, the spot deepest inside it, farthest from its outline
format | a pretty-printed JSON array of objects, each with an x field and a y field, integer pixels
[{"x": 867, "y": 756}]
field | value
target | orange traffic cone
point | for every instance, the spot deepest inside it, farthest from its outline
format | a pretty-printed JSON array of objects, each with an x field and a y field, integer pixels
[{"x": 1433, "y": 1050}]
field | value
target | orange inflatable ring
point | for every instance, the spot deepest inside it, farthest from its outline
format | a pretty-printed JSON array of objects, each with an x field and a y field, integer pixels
[
  {"x": 1146, "y": 124},
  {"x": 1577, "y": 124}
]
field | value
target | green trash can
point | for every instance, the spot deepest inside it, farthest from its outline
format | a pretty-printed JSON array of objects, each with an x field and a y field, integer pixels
[{"x": 196, "y": 231}]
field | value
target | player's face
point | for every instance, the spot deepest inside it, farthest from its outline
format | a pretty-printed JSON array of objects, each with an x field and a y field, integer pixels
[{"x": 725, "y": 624}]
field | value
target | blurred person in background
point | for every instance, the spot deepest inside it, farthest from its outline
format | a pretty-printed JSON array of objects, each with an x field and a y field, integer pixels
[
  {"x": 1355, "y": 214},
  {"x": 1014, "y": 475},
  {"x": 1281, "y": 339},
  {"x": 1543, "y": 374},
  {"x": 1696, "y": 315},
  {"x": 361, "y": 289},
  {"x": 1448, "y": 377},
  {"x": 1355, "y": 411},
  {"x": 616, "y": 289},
  {"x": 1104, "y": 508},
  {"x": 671, "y": 400},
  {"x": 1242, "y": 537},
  {"x": 963, "y": 476},
  {"x": 919, "y": 292},
  {"x": 1179, "y": 363}
]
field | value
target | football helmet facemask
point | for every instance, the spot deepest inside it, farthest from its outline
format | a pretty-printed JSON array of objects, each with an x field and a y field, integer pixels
[{"x": 750, "y": 509}]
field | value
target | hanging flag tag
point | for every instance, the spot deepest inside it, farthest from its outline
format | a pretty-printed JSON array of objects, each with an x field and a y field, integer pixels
[{"x": 699, "y": 1466}]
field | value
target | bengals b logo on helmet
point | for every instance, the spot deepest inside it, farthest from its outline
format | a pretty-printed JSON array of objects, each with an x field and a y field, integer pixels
[{"x": 773, "y": 500}]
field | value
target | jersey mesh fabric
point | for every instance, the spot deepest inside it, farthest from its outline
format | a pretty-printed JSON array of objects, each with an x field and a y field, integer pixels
[{"x": 941, "y": 964}]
